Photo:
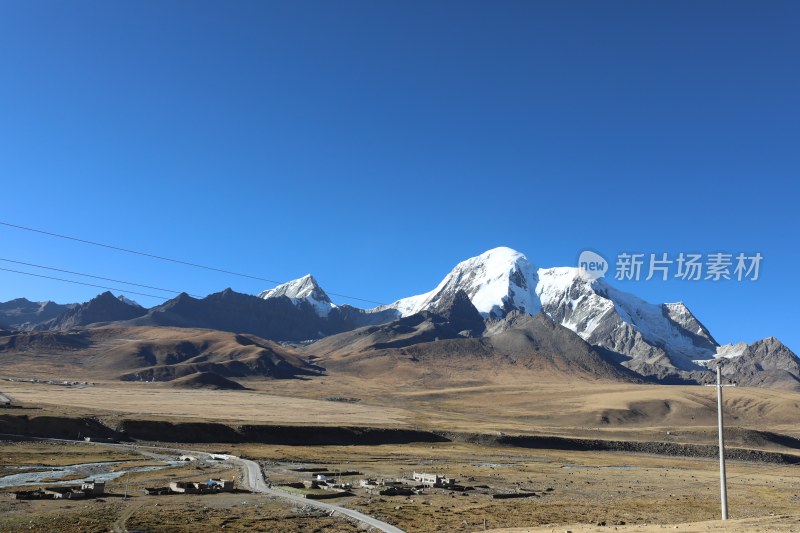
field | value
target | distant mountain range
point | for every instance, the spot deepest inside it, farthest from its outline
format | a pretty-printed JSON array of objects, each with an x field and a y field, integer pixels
[
  {"x": 24, "y": 314},
  {"x": 484, "y": 299},
  {"x": 103, "y": 308}
]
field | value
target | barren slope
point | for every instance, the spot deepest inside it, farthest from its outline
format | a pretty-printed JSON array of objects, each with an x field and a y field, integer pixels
[
  {"x": 424, "y": 346},
  {"x": 146, "y": 354}
]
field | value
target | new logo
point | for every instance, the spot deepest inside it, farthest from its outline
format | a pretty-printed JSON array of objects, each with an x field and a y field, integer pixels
[{"x": 594, "y": 264}]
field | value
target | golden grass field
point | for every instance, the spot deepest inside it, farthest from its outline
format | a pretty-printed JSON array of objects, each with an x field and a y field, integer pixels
[{"x": 586, "y": 409}]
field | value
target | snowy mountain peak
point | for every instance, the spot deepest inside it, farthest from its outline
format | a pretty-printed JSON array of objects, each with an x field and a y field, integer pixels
[
  {"x": 299, "y": 288},
  {"x": 303, "y": 289},
  {"x": 500, "y": 255},
  {"x": 496, "y": 281}
]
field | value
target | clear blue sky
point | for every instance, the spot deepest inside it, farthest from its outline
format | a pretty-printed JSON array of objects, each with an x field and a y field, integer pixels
[{"x": 376, "y": 144}]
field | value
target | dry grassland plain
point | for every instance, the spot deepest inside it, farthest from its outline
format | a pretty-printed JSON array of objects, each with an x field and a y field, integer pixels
[
  {"x": 624, "y": 491},
  {"x": 596, "y": 409},
  {"x": 586, "y": 488}
]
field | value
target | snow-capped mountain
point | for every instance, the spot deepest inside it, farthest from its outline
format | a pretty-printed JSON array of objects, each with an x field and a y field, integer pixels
[
  {"x": 652, "y": 339},
  {"x": 305, "y": 289},
  {"x": 497, "y": 281},
  {"x": 502, "y": 280}
]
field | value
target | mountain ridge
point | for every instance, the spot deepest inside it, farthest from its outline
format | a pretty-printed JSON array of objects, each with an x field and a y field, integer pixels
[
  {"x": 483, "y": 296},
  {"x": 104, "y": 307}
]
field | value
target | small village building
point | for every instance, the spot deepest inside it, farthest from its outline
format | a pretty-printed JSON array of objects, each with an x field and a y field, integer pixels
[
  {"x": 94, "y": 488},
  {"x": 88, "y": 489},
  {"x": 37, "y": 494},
  {"x": 184, "y": 487},
  {"x": 224, "y": 485},
  {"x": 398, "y": 491},
  {"x": 433, "y": 480},
  {"x": 158, "y": 491},
  {"x": 65, "y": 493},
  {"x": 196, "y": 487}
]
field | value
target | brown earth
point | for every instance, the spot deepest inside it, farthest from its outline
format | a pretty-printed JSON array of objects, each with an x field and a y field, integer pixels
[
  {"x": 206, "y": 380},
  {"x": 146, "y": 354}
]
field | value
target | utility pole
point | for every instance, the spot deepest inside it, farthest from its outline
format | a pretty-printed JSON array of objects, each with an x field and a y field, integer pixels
[
  {"x": 723, "y": 483},
  {"x": 723, "y": 480}
]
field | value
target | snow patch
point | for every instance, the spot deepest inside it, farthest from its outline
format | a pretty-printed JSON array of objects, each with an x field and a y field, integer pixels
[
  {"x": 729, "y": 351},
  {"x": 122, "y": 298}
]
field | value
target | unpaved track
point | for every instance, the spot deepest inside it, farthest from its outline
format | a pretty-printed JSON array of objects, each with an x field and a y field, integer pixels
[
  {"x": 119, "y": 524},
  {"x": 255, "y": 480}
]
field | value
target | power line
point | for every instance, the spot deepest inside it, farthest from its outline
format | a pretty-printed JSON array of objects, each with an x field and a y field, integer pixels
[
  {"x": 127, "y": 250},
  {"x": 82, "y": 283},
  {"x": 95, "y": 277},
  {"x": 169, "y": 259}
]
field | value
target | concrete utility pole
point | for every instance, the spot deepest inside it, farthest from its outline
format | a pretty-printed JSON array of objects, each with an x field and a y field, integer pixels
[
  {"x": 723, "y": 480},
  {"x": 723, "y": 483}
]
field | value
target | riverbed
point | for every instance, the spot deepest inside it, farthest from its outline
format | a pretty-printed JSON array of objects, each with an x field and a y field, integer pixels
[{"x": 104, "y": 471}]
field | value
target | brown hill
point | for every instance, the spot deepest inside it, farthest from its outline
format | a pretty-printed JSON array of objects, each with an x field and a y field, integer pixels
[
  {"x": 206, "y": 380},
  {"x": 149, "y": 354},
  {"x": 418, "y": 347}
]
